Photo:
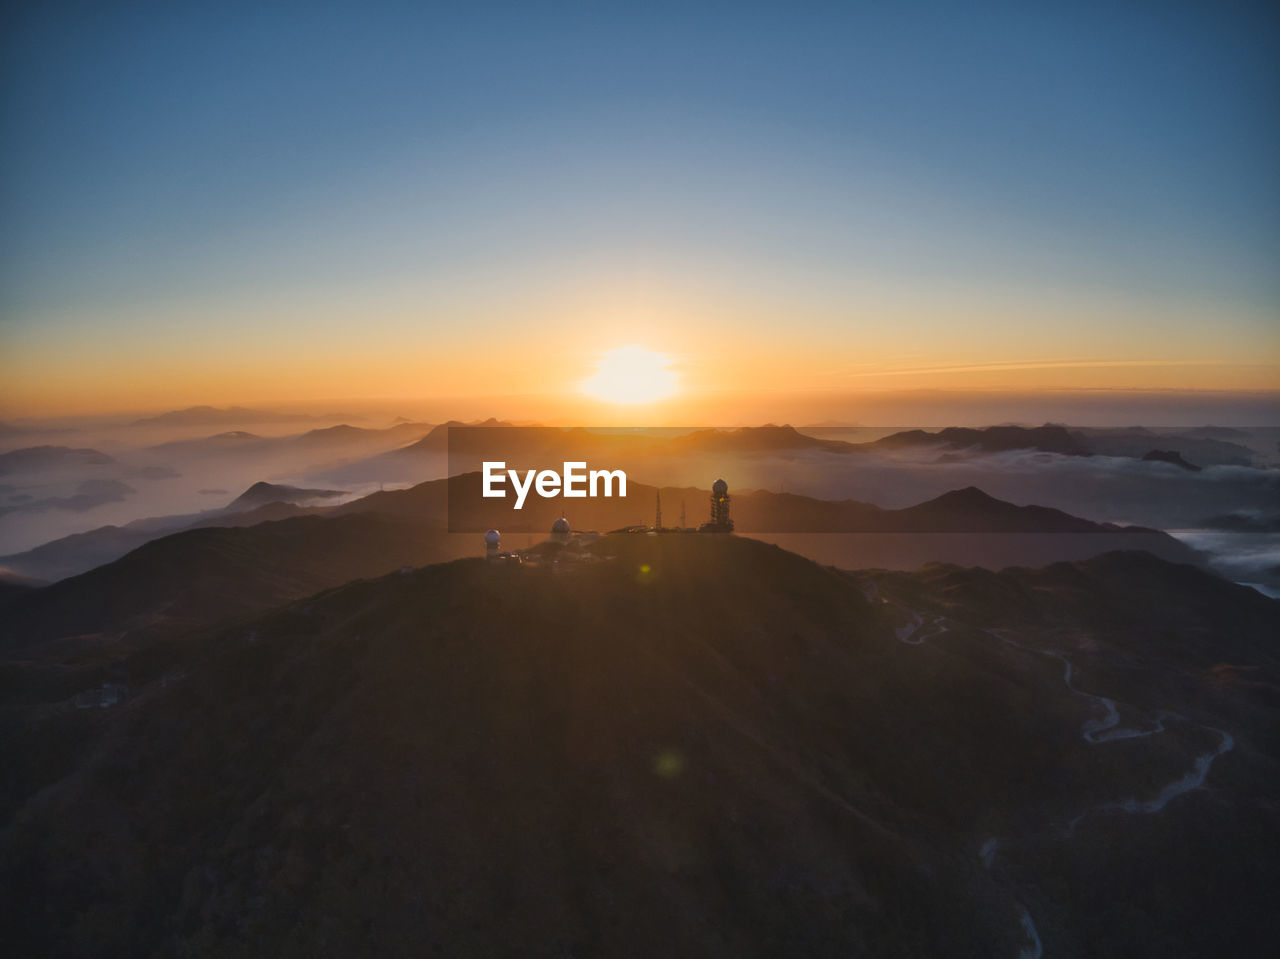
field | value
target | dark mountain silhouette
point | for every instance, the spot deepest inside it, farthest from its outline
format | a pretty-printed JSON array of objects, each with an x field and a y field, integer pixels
[
  {"x": 319, "y": 452},
  {"x": 438, "y": 437},
  {"x": 498, "y": 440},
  {"x": 80, "y": 552},
  {"x": 695, "y": 745},
  {"x": 992, "y": 439},
  {"x": 12, "y": 587},
  {"x": 410, "y": 462},
  {"x": 1244, "y": 522},
  {"x": 218, "y": 444},
  {"x": 1172, "y": 457},
  {"x": 262, "y": 493},
  {"x": 752, "y": 439},
  {"x": 89, "y": 494},
  {"x": 1204, "y": 446},
  {"x": 754, "y": 510},
  {"x": 1217, "y": 433},
  {"x": 212, "y": 416},
  {"x": 345, "y": 437},
  {"x": 969, "y": 510},
  {"x": 547, "y": 442},
  {"x": 204, "y": 574},
  {"x": 1135, "y": 443},
  {"x": 972, "y": 510},
  {"x": 40, "y": 459}
]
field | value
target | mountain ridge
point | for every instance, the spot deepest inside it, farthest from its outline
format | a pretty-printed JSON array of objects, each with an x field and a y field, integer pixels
[{"x": 640, "y": 754}]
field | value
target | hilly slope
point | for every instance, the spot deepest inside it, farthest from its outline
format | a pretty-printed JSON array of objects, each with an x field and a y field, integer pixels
[
  {"x": 991, "y": 439},
  {"x": 262, "y": 493},
  {"x": 960, "y": 511},
  {"x": 38, "y": 459},
  {"x": 81, "y": 552},
  {"x": 1131, "y": 443},
  {"x": 694, "y": 745},
  {"x": 209, "y": 415},
  {"x": 205, "y": 574}
]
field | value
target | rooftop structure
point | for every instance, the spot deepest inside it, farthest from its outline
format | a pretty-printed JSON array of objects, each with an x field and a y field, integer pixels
[
  {"x": 561, "y": 530},
  {"x": 720, "y": 521}
]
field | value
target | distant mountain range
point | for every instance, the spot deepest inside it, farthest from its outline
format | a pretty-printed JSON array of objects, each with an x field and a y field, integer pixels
[
  {"x": 208, "y": 573},
  {"x": 1209, "y": 450},
  {"x": 459, "y": 500},
  {"x": 677, "y": 745},
  {"x": 80, "y": 552},
  {"x": 962, "y": 511},
  {"x": 347, "y": 437},
  {"x": 1204, "y": 447},
  {"x": 1172, "y": 457},
  {"x": 213, "y": 416},
  {"x": 262, "y": 494},
  {"x": 456, "y": 503},
  {"x": 88, "y": 494},
  {"x": 39, "y": 459},
  {"x": 404, "y": 452},
  {"x": 426, "y": 455},
  {"x": 329, "y": 447},
  {"x": 992, "y": 439},
  {"x": 503, "y": 441},
  {"x": 219, "y": 443},
  {"x": 1245, "y": 522}
]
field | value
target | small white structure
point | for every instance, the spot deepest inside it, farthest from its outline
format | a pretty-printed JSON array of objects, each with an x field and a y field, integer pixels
[
  {"x": 560, "y": 531},
  {"x": 492, "y": 544}
]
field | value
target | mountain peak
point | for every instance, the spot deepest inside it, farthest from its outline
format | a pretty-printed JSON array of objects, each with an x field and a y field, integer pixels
[
  {"x": 262, "y": 493},
  {"x": 968, "y": 496}
]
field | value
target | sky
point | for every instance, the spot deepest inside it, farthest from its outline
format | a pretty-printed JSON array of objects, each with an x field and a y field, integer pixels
[{"x": 271, "y": 202}]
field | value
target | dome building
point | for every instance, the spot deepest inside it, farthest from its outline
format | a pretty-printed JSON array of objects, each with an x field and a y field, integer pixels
[
  {"x": 560, "y": 531},
  {"x": 720, "y": 521},
  {"x": 492, "y": 544}
]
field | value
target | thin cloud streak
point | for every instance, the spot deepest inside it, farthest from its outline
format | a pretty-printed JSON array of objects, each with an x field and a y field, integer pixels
[{"x": 1040, "y": 365}]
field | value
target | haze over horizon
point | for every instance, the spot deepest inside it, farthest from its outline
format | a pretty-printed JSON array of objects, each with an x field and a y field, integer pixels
[{"x": 801, "y": 212}]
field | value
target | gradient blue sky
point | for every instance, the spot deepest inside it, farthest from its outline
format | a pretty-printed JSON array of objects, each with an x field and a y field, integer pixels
[{"x": 369, "y": 194}]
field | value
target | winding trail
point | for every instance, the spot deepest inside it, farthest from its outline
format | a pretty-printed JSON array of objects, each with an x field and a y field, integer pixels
[
  {"x": 1094, "y": 731},
  {"x": 916, "y": 632},
  {"x": 1107, "y": 729},
  {"x": 1034, "y": 949},
  {"x": 1192, "y": 780}
]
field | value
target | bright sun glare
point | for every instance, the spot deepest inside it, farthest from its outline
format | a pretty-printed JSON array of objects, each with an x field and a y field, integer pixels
[{"x": 632, "y": 374}]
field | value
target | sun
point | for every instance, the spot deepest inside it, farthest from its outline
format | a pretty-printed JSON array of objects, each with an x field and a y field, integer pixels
[{"x": 632, "y": 374}]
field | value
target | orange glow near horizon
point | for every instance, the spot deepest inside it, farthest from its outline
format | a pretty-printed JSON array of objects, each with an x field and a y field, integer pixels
[
  {"x": 703, "y": 360},
  {"x": 624, "y": 384}
]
